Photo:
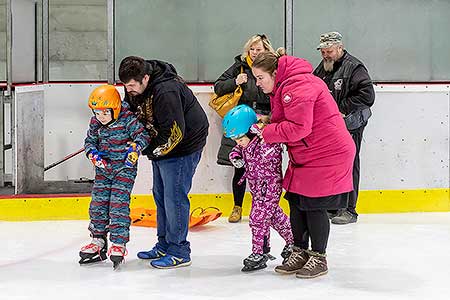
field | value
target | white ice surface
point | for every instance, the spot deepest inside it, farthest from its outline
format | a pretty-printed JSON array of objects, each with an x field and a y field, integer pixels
[{"x": 390, "y": 256}]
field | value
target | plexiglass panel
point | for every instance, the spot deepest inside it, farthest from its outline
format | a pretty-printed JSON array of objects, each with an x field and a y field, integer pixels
[
  {"x": 199, "y": 37},
  {"x": 2, "y": 40},
  {"x": 402, "y": 40},
  {"x": 78, "y": 40}
]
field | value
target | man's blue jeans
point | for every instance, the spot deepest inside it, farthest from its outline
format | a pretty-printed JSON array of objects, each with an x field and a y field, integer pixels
[{"x": 172, "y": 181}]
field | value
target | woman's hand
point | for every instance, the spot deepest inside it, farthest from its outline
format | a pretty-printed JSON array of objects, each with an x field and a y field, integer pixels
[
  {"x": 241, "y": 78},
  {"x": 258, "y": 129}
]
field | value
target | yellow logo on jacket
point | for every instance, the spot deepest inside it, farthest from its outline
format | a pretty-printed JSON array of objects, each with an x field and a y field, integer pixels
[{"x": 175, "y": 137}]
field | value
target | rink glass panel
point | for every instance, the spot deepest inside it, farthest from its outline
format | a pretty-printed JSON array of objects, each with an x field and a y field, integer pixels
[
  {"x": 397, "y": 40},
  {"x": 2, "y": 40},
  {"x": 199, "y": 37},
  {"x": 77, "y": 40}
]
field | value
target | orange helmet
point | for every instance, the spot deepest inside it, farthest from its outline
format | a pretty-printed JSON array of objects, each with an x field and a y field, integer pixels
[{"x": 104, "y": 97}]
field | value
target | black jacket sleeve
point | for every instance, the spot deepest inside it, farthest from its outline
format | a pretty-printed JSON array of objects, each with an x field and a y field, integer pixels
[
  {"x": 169, "y": 115},
  {"x": 226, "y": 83},
  {"x": 361, "y": 93}
]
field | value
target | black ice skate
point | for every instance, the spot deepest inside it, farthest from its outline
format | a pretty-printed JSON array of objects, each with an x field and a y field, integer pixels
[
  {"x": 255, "y": 262},
  {"x": 116, "y": 254},
  {"x": 95, "y": 251},
  {"x": 287, "y": 250},
  {"x": 266, "y": 250},
  {"x": 270, "y": 256}
]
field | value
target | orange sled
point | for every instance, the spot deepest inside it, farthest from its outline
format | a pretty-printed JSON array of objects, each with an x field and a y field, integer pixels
[{"x": 199, "y": 216}]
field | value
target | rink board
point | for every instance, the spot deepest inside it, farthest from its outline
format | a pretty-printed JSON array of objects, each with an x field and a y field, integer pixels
[
  {"x": 404, "y": 155},
  {"x": 76, "y": 207}
]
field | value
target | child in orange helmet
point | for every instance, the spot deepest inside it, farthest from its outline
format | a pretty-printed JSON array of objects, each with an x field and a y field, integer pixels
[{"x": 114, "y": 141}]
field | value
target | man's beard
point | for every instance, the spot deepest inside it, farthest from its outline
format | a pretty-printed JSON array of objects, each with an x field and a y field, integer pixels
[{"x": 328, "y": 65}]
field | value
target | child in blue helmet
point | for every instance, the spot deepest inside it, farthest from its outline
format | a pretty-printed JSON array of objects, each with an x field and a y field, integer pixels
[{"x": 263, "y": 172}]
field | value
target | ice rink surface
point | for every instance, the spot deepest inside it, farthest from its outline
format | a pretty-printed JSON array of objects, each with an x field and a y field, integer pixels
[{"x": 389, "y": 256}]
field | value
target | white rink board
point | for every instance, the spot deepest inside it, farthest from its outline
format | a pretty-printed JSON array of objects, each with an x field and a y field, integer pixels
[
  {"x": 406, "y": 143},
  {"x": 66, "y": 122},
  {"x": 405, "y": 146}
]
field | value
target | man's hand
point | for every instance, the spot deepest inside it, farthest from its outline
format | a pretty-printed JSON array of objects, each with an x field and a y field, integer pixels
[
  {"x": 96, "y": 158},
  {"x": 132, "y": 156},
  {"x": 236, "y": 160}
]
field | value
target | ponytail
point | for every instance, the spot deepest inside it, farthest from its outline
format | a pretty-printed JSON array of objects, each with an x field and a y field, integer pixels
[
  {"x": 268, "y": 61},
  {"x": 280, "y": 52}
]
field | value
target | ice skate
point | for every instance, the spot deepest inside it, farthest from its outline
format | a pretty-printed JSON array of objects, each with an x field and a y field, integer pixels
[
  {"x": 266, "y": 249},
  {"x": 286, "y": 252},
  {"x": 270, "y": 256},
  {"x": 255, "y": 262},
  {"x": 116, "y": 253},
  {"x": 95, "y": 251}
]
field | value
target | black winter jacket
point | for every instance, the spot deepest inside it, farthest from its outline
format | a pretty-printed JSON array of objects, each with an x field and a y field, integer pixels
[
  {"x": 171, "y": 113},
  {"x": 349, "y": 83},
  {"x": 252, "y": 96}
]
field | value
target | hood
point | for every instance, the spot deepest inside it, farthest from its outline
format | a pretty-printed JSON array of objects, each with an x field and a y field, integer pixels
[
  {"x": 289, "y": 66},
  {"x": 161, "y": 71}
]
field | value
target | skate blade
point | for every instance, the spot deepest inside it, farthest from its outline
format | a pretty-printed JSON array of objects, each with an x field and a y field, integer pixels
[
  {"x": 116, "y": 266},
  {"x": 270, "y": 257},
  {"x": 247, "y": 269},
  {"x": 91, "y": 258},
  {"x": 87, "y": 261},
  {"x": 116, "y": 260}
]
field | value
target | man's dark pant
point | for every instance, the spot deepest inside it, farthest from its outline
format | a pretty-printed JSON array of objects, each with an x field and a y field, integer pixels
[
  {"x": 357, "y": 136},
  {"x": 172, "y": 181}
]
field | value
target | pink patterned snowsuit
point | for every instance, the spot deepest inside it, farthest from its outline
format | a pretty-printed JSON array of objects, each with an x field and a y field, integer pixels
[{"x": 264, "y": 175}]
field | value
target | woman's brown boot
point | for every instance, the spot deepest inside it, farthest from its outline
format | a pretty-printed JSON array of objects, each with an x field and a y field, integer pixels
[{"x": 236, "y": 215}]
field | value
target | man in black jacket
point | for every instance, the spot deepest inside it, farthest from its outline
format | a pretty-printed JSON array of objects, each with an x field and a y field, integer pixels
[
  {"x": 350, "y": 84},
  {"x": 178, "y": 126}
]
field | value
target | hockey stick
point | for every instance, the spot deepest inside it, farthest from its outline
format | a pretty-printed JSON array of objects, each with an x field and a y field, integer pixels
[{"x": 63, "y": 160}]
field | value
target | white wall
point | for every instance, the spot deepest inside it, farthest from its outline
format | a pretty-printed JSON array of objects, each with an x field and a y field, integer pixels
[{"x": 405, "y": 146}]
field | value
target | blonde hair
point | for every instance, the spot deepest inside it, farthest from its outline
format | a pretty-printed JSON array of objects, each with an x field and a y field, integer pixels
[
  {"x": 255, "y": 39},
  {"x": 268, "y": 61}
]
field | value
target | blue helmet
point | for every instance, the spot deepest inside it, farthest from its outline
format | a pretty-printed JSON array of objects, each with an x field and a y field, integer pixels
[{"x": 238, "y": 121}]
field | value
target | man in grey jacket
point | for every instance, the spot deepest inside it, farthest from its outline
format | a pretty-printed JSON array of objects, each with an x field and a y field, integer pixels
[{"x": 350, "y": 84}]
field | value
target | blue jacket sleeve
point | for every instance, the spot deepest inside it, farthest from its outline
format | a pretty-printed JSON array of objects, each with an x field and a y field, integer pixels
[
  {"x": 137, "y": 131},
  {"x": 91, "y": 140}
]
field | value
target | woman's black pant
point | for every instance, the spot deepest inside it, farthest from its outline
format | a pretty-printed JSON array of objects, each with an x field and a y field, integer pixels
[
  {"x": 238, "y": 189},
  {"x": 311, "y": 225}
]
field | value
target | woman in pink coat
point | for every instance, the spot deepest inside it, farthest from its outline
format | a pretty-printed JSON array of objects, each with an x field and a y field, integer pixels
[{"x": 321, "y": 152}]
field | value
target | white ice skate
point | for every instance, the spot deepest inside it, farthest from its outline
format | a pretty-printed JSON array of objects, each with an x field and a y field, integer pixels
[
  {"x": 95, "y": 251},
  {"x": 116, "y": 254}
]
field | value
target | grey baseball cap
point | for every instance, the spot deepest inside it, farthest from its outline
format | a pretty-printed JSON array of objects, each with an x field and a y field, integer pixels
[{"x": 329, "y": 39}]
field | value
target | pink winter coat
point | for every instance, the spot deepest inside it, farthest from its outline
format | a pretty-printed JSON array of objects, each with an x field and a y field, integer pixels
[{"x": 306, "y": 118}]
